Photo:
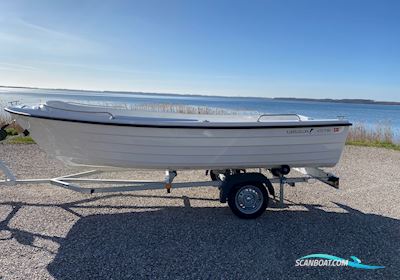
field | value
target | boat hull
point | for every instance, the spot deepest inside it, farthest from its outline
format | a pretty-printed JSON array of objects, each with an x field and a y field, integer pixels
[{"x": 99, "y": 145}]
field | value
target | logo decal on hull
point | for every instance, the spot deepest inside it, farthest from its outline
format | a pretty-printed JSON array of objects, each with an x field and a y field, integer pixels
[{"x": 314, "y": 131}]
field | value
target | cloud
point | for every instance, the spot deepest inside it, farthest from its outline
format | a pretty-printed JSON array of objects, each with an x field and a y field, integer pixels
[
  {"x": 19, "y": 34},
  {"x": 16, "y": 67}
]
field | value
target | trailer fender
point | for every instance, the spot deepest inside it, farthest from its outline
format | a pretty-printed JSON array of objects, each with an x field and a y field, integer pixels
[{"x": 232, "y": 180}]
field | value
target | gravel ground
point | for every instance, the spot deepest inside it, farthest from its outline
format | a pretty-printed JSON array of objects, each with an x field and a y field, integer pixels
[{"x": 53, "y": 233}]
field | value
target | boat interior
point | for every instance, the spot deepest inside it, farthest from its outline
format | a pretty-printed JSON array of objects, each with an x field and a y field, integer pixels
[{"x": 69, "y": 110}]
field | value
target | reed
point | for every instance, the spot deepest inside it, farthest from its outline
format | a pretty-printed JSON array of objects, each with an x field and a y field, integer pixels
[
  {"x": 182, "y": 109},
  {"x": 382, "y": 132},
  {"x": 167, "y": 108},
  {"x": 4, "y": 116},
  {"x": 381, "y": 135}
]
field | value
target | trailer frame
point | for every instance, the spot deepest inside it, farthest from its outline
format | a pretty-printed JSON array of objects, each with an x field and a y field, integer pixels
[{"x": 73, "y": 181}]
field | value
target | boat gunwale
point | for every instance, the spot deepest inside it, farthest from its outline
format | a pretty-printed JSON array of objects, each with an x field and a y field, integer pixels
[{"x": 262, "y": 125}]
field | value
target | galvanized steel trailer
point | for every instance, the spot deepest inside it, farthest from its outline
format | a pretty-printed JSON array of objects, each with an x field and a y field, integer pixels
[{"x": 247, "y": 194}]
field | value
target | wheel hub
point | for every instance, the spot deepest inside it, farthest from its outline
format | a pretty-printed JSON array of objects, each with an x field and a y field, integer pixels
[{"x": 249, "y": 199}]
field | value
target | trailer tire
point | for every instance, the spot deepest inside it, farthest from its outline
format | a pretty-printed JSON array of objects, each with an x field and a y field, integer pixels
[{"x": 248, "y": 200}]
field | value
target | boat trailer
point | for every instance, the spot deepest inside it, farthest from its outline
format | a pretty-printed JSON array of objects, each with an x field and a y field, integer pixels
[{"x": 247, "y": 194}]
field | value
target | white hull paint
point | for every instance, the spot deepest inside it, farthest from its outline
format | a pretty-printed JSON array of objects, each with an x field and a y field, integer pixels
[{"x": 108, "y": 145}]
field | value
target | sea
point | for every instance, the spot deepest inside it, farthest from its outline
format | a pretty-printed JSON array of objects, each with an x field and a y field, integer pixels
[{"x": 369, "y": 115}]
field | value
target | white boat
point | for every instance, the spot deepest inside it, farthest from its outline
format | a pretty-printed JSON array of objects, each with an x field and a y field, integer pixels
[{"x": 106, "y": 137}]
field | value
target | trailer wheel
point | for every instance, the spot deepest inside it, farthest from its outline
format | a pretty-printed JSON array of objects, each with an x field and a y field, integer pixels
[{"x": 248, "y": 200}]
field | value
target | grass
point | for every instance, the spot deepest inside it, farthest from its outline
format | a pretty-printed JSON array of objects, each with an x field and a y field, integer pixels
[
  {"x": 20, "y": 140},
  {"x": 14, "y": 137},
  {"x": 389, "y": 146},
  {"x": 380, "y": 136},
  {"x": 13, "y": 130}
]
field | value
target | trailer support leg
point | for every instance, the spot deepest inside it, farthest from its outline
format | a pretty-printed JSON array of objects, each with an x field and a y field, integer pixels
[
  {"x": 10, "y": 178},
  {"x": 281, "y": 191},
  {"x": 169, "y": 177}
]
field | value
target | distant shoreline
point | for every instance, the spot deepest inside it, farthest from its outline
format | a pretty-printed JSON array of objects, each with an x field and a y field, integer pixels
[
  {"x": 349, "y": 101},
  {"x": 326, "y": 100}
]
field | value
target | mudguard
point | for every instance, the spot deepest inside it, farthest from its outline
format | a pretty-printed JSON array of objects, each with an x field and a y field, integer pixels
[{"x": 232, "y": 180}]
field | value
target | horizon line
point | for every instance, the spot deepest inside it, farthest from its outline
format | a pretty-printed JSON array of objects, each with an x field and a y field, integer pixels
[{"x": 345, "y": 100}]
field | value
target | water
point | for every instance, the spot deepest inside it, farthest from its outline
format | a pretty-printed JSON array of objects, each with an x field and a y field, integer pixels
[{"x": 368, "y": 114}]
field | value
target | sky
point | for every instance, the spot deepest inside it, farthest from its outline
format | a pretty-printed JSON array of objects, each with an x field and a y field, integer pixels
[{"x": 269, "y": 48}]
